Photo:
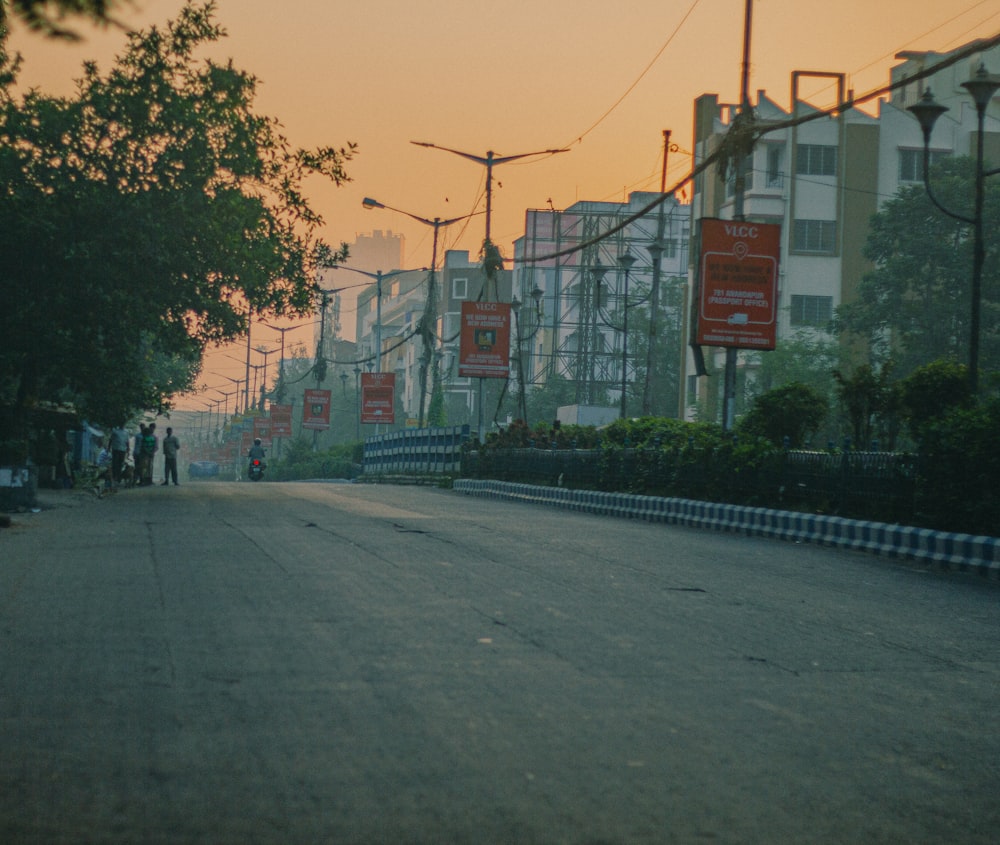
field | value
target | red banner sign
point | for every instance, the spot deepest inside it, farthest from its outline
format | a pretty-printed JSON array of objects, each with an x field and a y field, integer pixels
[
  {"x": 739, "y": 284},
  {"x": 281, "y": 420},
  {"x": 316, "y": 410},
  {"x": 378, "y": 398},
  {"x": 262, "y": 430},
  {"x": 484, "y": 344}
]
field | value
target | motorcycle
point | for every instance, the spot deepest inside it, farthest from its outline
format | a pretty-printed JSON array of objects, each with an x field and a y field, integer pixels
[{"x": 255, "y": 472}]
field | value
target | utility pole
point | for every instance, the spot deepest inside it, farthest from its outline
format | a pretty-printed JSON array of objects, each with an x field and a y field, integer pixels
[
  {"x": 729, "y": 384},
  {"x": 656, "y": 251}
]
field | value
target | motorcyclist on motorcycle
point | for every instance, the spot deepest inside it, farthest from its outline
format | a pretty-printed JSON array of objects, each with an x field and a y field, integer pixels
[{"x": 256, "y": 453}]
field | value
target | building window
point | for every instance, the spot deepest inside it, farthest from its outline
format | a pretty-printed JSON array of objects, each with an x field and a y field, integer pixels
[
  {"x": 815, "y": 236},
  {"x": 911, "y": 164},
  {"x": 811, "y": 310},
  {"x": 816, "y": 160},
  {"x": 774, "y": 174},
  {"x": 459, "y": 288}
]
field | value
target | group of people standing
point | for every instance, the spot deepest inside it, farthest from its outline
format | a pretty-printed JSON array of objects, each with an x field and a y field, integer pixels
[{"x": 135, "y": 467}]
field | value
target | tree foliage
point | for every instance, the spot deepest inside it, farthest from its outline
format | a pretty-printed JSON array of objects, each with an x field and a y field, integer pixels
[
  {"x": 794, "y": 410},
  {"x": 915, "y": 306},
  {"x": 147, "y": 217},
  {"x": 871, "y": 401},
  {"x": 46, "y": 16},
  {"x": 932, "y": 392}
]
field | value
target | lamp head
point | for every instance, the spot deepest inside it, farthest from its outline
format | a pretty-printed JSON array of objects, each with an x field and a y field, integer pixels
[
  {"x": 927, "y": 110},
  {"x": 368, "y": 202},
  {"x": 626, "y": 260},
  {"x": 515, "y": 304},
  {"x": 982, "y": 87}
]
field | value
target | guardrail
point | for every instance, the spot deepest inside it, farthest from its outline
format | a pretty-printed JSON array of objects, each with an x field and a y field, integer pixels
[
  {"x": 940, "y": 549},
  {"x": 432, "y": 451}
]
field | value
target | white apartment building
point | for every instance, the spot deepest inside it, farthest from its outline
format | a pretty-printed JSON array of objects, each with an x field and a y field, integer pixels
[{"x": 822, "y": 180}]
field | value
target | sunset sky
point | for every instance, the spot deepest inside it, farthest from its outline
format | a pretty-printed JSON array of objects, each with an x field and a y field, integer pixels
[{"x": 513, "y": 76}]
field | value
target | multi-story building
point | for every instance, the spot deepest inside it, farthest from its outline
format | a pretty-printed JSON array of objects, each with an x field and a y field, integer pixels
[
  {"x": 822, "y": 180},
  {"x": 572, "y": 288},
  {"x": 403, "y": 303}
]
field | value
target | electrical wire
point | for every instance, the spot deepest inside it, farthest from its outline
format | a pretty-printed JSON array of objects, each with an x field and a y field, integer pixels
[
  {"x": 579, "y": 138},
  {"x": 760, "y": 131}
]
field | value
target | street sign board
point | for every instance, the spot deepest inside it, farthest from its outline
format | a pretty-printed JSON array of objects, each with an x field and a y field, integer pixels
[
  {"x": 378, "y": 398},
  {"x": 739, "y": 284},
  {"x": 316, "y": 410},
  {"x": 484, "y": 343}
]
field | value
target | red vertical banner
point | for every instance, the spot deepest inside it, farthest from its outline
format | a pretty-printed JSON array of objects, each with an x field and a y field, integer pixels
[
  {"x": 316, "y": 410},
  {"x": 262, "y": 430},
  {"x": 484, "y": 343},
  {"x": 281, "y": 420},
  {"x": 739, "y": 284},
  {"x": 378, "y": 398}
]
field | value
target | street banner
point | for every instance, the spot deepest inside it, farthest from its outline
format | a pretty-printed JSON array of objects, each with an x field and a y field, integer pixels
[
  {"x": 484, "y": 343},
  {"x": 316, "y": 410},
  {"x": 378, "y": 398},
  {"x": 738, "y": 305},
  {"x": 262, "y": 430},
  {"x": 281, "y": 420}
]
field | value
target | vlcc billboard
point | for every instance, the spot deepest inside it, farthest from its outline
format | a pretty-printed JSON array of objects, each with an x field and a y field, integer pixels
[
  {"x": 484, "y": 345},
  {"x": 739, "y": 284}
]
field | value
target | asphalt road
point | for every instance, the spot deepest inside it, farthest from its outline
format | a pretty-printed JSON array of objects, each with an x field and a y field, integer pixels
[{"x": 315, "y": 663}]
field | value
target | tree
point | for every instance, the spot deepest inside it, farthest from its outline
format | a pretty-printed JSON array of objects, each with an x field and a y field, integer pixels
[
  {"x": 871, "y": 402},
  {"x": 933, "y": 391},
  {"x": 45, "y": 15},
  {"x": 914, "y": 307},
  {"x": 150, "y": 216},
  {"x": 794, "y": 410}
]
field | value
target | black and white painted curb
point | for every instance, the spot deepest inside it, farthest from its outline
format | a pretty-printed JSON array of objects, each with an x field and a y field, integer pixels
[{"x": 964, "y": 552}]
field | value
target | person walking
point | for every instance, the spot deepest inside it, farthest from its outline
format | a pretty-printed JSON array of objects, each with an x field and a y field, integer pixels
[
  {"x": 150, "y": 446},
  {"x": 137, "y": 456},
  {"x": 171, "y": 446},
  {"x": 119, "y": 448}
]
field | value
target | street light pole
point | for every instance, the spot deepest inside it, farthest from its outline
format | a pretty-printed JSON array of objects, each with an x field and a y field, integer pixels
[
  {"x": 490, "y": 160},
  {"x": 625, "y": 261},
  {"x": 379, "y": 277},
  {"x": 431, "y": 307},
  {"x": 981, "y": 87}
]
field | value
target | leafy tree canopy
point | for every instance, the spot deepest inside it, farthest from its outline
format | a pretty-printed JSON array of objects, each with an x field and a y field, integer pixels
[
  {"x": 794, "y": 410},
  {"x": 46, "y": 16},
  {"x": 147, "y": 217},
  {"x": 915, "y": 305}
]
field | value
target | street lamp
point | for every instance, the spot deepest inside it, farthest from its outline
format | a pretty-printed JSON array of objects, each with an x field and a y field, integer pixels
[
  {"x": 430, "y": 309},
  {"x": 597, "y": 273},
  {"x": 981, "y": 87},
  {"x": 357, "y": 402},
  {"x": 379, "y": 277},
  {"x": 515, "y": 306},
  {"x": 490, "y": 160},
  {"x": 625, "y": 261}
]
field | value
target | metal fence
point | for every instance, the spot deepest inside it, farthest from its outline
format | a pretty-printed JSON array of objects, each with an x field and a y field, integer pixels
[{"x": 864, "y": 485}]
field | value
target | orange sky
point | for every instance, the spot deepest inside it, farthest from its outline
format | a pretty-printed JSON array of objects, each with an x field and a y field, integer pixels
[{"x": 516, "y": 76}]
